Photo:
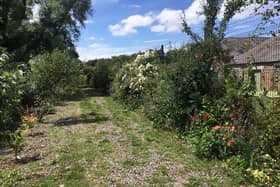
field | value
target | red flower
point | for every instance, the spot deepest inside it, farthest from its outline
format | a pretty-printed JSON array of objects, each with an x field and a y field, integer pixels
[
  {"x": 217, "y": 127},
  {"x": 206, "y": 116},
  {"x": 230, "y": 143}
]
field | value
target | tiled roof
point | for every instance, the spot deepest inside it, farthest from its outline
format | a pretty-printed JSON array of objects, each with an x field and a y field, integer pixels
[
  {"x": 240, "y": 45},
  {"x": 267, "y": 51}
]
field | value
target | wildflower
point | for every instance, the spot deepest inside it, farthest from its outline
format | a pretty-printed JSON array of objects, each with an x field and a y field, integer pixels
[
  {"x": 206, "y": 116},
  {"x": 216, "y": 128},
  {"x": 232, "y": 127},
  {"x": 230, "y": 143}
]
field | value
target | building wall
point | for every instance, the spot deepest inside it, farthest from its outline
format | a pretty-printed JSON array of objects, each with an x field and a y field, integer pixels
[{"x": 268, "y": 76}]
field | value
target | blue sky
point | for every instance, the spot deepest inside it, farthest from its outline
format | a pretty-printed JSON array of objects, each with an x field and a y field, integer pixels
[{"x": 127, "y": 26}]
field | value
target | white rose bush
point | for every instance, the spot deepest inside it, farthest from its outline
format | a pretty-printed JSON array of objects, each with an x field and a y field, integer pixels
[{"x": 132, "y": 80}]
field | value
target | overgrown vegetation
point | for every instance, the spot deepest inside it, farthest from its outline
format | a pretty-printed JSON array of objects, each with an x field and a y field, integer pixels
[
  {"x": 38, "y": 62},
  {"x": 202, "y": 98},
  {"x": 190, "y": 90},
  {"x": 10, "y": 95},
  {"x": 52, "y": 77}
]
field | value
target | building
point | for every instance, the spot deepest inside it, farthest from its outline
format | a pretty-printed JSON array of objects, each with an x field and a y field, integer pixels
[{"x": 263, "y": 54}]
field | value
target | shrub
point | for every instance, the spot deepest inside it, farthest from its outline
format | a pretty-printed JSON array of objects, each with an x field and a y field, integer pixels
[
  {"x": 222, "y": 126},
  {"x": 194, "y": 75},
  {"x": 10, "y": 95},
  {"x": 268, "y": 127},
  {"x": 213, "y": 138},
  {"x": 131, "y": 82},
  {"x": 52, "y": 77},
  {"x": 16, "y": 138},
  {"x": 159, "y": 101},
  {"x": 55, "y": 75}
]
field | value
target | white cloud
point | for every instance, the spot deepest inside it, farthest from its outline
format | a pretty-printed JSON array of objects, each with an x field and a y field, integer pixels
[
  {"x": 95, "y": 38},
  {"x": 97, "y": 45},
  {"x": 89, "y": 21},
  {"x": 155, "y": 41},
  {"x": 245, "y": 12},
  {"x": 129, "y": 25},
  {"x": 96, "y": 51},
  {"x": 158, "y": 28},
  {"x": 170, "y": 20},
  {"x": 194, "y": 13},
  {"x": 92, "y": 38}
]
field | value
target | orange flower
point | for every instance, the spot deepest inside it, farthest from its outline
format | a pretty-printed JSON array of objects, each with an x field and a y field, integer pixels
[
  {"x": 29, "y": 118},
  {"x": 216, "y": 128},
  {"x": 230, "y": 143}
]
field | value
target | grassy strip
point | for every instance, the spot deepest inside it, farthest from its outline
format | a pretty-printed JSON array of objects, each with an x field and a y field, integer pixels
[{"x": 170, "y": 147}]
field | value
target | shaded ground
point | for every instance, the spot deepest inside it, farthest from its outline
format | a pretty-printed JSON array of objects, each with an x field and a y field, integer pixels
[{"x": 95, "y": 142}]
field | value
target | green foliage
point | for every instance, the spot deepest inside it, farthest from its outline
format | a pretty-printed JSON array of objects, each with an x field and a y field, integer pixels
[
  {"x": 266, "y": 171},
  {"x": 159, "y": 103},
  {"x": 58, "y": 25},
  {"x": 100, "y": 76},
  {"x": 195, "y": 76},
  {"x": 52, "y": 77},
  {"x": 236, "y": 168},
  {"x": 55, "y": 76},
  {"x": 268, "y": 127},
  {"x": 9, "y": 95},
  {"x": 16, "y": 139}
]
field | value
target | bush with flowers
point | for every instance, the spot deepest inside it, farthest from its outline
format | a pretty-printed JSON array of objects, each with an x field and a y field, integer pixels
[
  {"x": 213, "y": 138},
  {"x": 221, "y": 128},
  {"x": 131, "y": 82}
]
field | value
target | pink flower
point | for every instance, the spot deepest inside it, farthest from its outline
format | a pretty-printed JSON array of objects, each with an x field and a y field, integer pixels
[
  {"x": 232, "y": 127},
  {"x": 230, "y": 143},
  {"x": 216, "y": 128}
]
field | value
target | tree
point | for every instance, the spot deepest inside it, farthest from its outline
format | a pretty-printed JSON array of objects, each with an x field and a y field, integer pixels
[
  {"x": 268, "y": 16},
  {"x": 271, "y": 11},
  {"x": 58, "y": 25},
  {"x": 213, "y": 29}
]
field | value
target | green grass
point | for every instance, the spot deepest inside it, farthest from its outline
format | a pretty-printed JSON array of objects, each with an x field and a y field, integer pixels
[
  {"x": 114, "y": 141},
  {"x": 168, "y": 145},
  {"x": 9, "y": 178}
]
